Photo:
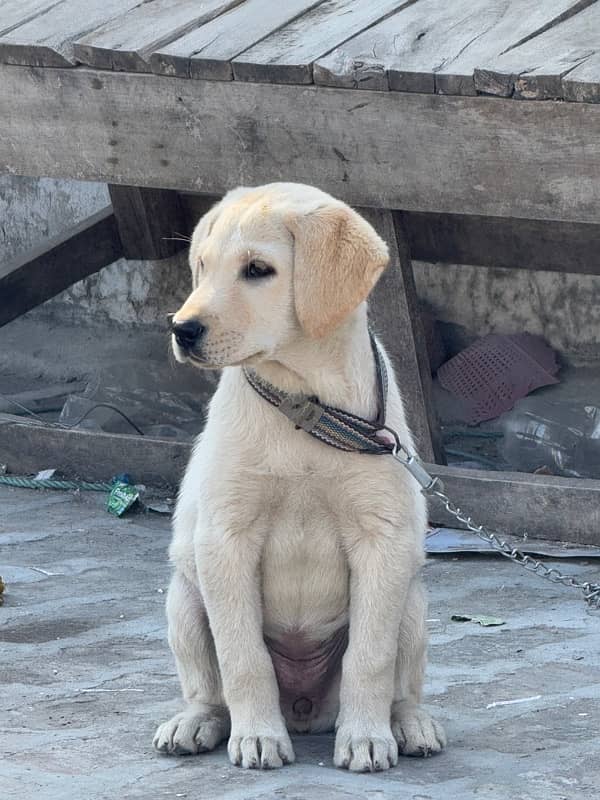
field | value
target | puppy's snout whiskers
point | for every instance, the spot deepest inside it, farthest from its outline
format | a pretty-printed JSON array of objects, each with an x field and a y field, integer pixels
[{"x": 178, "y": 237}]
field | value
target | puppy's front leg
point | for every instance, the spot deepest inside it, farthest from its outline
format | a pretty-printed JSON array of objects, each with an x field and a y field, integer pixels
[
  {"x": 380, "y": 574},
  {"x": 228, "y": 569}
]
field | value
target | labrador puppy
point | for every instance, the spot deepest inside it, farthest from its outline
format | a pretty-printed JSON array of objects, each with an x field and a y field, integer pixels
[{"x": 296, "y": 603}]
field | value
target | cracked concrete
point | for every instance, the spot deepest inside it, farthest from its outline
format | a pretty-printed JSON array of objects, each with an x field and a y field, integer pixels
[{"x": 87, "y": 675}]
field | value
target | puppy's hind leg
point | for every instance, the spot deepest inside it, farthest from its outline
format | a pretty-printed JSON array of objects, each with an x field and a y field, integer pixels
[
  {"x": 205, "y": 721},
  {"x": 416, "y": 732}
]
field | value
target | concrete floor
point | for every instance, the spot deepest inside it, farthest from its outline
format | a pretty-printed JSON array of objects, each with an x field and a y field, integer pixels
[{"x": 87, "y": 675}]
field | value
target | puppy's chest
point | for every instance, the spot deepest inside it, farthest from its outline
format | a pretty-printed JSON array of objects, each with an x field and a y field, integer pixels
[
  {"x": 304, "y": 567},
  {"x": 304, "y": 518}
]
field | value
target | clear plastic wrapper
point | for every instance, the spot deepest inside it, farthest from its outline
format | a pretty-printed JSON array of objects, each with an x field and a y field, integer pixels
[
  {"x": 161, "y": 415},
  {"x": 557, "y": 438}
]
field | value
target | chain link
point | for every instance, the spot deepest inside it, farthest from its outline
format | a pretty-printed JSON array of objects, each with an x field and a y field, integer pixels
[
  {"x": 591, "y": 591},
  {"x": 433, "y": 487}
]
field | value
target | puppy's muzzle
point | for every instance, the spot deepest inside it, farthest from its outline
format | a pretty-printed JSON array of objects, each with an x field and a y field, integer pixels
[{"x": 188, "y": 333}]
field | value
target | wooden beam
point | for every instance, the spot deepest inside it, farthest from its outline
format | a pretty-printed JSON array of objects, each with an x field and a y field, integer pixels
[
  {"x": 150, "y": 221},
  {"x": 544, "y": 507},
  {"x": 379, "y": 149},
  {"x": 45, "y": 271},
  {"x": 396, "y": 316},
  {"x": 27, "y": 447},
  {"x": 504, "y": 242},
  {"x": 195, "y": 206}
]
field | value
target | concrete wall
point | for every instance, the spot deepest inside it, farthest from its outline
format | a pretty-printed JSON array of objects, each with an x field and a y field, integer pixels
[
  {"x": 33, "y": 209},
  {"x": 471, "y": 300},
  {"x": 126, "y": 292}
]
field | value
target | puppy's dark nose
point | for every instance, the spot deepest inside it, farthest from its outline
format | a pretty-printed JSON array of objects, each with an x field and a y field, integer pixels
[{"x": 187, "y": 333}]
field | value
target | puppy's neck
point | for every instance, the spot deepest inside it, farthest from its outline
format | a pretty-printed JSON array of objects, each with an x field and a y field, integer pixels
[{"x": 338, "y": 369}]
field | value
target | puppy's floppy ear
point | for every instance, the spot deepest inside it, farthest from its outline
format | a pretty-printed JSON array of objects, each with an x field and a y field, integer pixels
[{"x": 338, "y": 258}]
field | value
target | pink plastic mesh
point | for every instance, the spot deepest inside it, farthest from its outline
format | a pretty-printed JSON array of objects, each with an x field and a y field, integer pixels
[{"x": 495, "y": 371}]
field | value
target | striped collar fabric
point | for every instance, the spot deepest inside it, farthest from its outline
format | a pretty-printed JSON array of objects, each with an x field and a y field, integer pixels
[{"x": 333, "y": 426}]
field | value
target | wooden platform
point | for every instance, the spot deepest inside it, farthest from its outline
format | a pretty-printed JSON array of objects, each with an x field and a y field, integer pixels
[
  {"x": 520, "y": 48},
  {"x": 467, "y": 132}
]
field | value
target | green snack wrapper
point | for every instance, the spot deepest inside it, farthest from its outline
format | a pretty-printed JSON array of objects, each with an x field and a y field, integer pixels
[{"x": 122, "y": 497}]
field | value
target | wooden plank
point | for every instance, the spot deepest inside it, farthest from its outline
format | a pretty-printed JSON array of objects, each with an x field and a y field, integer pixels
[
  {"x": 17, "y": 12},
  {"x": 47, "y": 39},
  {"x": 534, "y": 70},
  {"x": 43, "y": 272},
  {"x": 207, "y": 51},
  {"x": 435, "y": 47},
  {"x": 90, "y": 455},
  {"x": 196, "y": 206},
  {"x": 545, "y": 507},
  {"x": 394, "y": 309},
  {"x": 151, "y": 222},
  {"x": 127, "y": 42},
  {"x": 287, "y": 55},
  {"x": 582, "y": 84},
  {"x": 387, "y": 150},
  {"x": 504, "y": 242}
]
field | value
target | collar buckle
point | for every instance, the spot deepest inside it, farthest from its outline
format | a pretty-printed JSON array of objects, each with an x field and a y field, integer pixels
[{"x": 304, "y": 412}]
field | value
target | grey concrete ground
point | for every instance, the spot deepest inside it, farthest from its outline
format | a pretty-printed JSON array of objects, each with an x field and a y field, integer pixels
[{"x": 86, "y": 675}]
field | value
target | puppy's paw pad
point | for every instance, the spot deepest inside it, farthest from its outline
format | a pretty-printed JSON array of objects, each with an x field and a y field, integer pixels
[
  {"x": 417, "y": 733},
  {"x": 260, "y": 752},
  {"x": 189, "y": 733},
  {"x": 365, "y": 753}
]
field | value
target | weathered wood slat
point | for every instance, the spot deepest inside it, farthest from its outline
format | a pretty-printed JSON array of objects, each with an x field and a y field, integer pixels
[
  {"x": 17, "y": 12},
  {"x": 582, "y": 84},
  {"x": 41, "y": 273},
  {"x": 394, "y": 309},
  {"x": 562, "y": 509},
  {"x": 434, "y": 47},
  {"x": 92, "y": 456},
  {"x": 534, "y": 70},
  {"x": 150, "y": 221},
  {"x": 127, "y": 42},
  {"x": 207, "y": 51},
  {"x": 47, "y": 39},
  {"x": 386, "y": 150},
  {"x": 504, "y": 242},
  {"x": 287, "y": 55}
]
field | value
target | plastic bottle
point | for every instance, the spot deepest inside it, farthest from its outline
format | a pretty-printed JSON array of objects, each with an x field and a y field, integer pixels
[{"x": 564, "y": 438}]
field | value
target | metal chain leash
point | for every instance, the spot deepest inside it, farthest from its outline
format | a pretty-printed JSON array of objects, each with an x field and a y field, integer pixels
[
  {"x": 433, "y": 487},
  {"x": 344, "y": 431}
]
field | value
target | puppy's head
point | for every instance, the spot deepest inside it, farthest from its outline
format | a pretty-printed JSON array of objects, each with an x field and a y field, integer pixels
[{"x": 270, "y": 265}]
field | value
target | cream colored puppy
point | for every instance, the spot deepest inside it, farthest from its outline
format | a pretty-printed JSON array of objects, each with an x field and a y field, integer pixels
[{"x": 296, "y": 602}]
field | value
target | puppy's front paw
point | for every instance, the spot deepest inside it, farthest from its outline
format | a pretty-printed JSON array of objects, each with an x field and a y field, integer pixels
[
  {"x": 365, "y": 753},
  {"x": 417, "y": 733},
  {"x": 191, "y": 732},
  {"x": 254, "y": 751}
]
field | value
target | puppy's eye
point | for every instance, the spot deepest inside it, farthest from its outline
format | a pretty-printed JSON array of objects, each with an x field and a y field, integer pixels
[
  {"x": 254, "y": 270},
  {"x": 200, "y": 264}
]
